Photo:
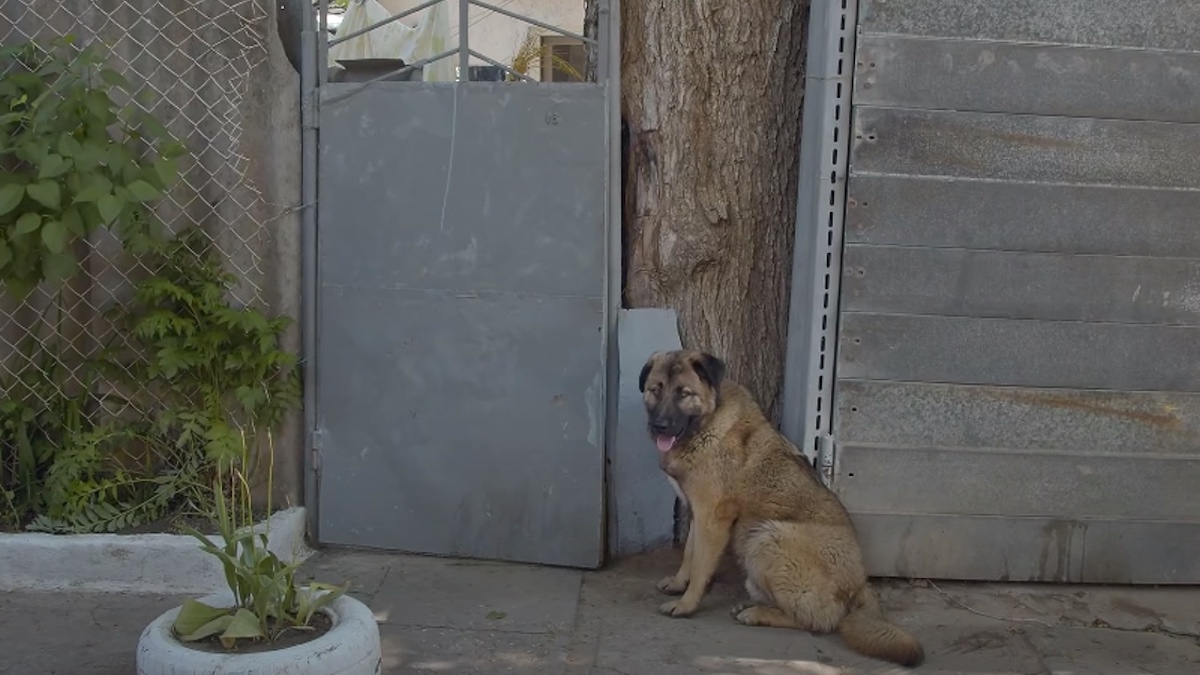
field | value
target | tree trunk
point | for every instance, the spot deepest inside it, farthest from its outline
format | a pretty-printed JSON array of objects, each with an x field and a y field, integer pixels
[{"x": 711, "y": 98}]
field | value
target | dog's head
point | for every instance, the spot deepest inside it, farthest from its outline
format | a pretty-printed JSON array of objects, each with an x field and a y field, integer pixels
[{"x": 680, "y": 389}]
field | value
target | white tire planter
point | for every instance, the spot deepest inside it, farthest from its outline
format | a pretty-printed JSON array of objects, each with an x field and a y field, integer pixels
[{"x": 351, "y": 647}]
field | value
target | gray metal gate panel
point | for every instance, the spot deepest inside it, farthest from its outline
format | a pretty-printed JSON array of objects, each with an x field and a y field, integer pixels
[
  {"x": 461, "y": 354},
  {"x": 1004, "y": 548},
  {"x": 1017, "y": 358},
  {"x": 1148, "y": 24},
  {"x": 1019, "y": 352},
  {"x": 1079, "y": 422},
  {"x": 1022, "y": 216},
  {"x": 1073, "y": 81},
  {"x": 1055, "y": 286},
  {"x": 995, "y": 146}
]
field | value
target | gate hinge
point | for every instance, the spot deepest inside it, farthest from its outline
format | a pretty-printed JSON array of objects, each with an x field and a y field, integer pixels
[
  {"x": 317, "y": 443},
  {"x": 826, "y": 457},
  {"x": 311, "y": 109}
]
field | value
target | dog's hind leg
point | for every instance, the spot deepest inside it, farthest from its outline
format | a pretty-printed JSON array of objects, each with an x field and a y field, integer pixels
[
  {"x": 760, "y": 611},
  {"x": 762, "y": 615},
  {"x": 789, "y": 585},
  {"x": 811, "y": 609},
  {"x": 757, "y": 594}
]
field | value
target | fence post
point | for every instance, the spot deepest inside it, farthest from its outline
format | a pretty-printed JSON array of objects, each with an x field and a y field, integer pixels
[
  {"x": 820, "y": 208},
  {"x": 309, "y": 112},
  {"x": 464, "y": 45}
]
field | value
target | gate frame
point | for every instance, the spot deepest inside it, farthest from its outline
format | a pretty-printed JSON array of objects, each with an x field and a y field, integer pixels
[
  {"x": 812, "y": 337},
  {"x": 314, "y": 46}
]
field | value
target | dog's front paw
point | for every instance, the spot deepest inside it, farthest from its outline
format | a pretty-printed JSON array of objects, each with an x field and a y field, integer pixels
[
  {"x": 676, "y": 609},
  {"x": 672, "y": 586}
]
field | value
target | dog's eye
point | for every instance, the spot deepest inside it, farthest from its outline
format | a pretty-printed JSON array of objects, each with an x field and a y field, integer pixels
[
  {"x": 684, "y": 393},
  {"x": 656, "y": 390}
]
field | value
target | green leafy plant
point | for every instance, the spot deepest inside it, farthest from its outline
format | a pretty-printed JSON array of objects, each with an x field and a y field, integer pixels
[
  {"x": 72, "y": 161},
  {"x": 39, "y": 419},
  {"x": 205, "y": 379},
  {"x": 267, "y": 600},
  {"x": 218, "y": 370},
  {"x": 30, "y": 436},
  {"x": 89, "y": 488},
  {"x": 198, "y": 378}
]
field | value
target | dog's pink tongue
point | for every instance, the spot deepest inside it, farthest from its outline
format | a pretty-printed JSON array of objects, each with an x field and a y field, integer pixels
[{"x": 665, "y": 443}]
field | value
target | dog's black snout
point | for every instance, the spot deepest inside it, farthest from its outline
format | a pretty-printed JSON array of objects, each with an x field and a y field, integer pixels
[{"x": 659, "y": 426}]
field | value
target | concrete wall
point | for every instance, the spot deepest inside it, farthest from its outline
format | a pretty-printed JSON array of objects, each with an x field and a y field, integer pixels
[{"x": 271, "y": 120}]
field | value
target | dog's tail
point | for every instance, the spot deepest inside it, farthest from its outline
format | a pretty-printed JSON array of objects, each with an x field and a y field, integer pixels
[{"x": 867, "y": 632}]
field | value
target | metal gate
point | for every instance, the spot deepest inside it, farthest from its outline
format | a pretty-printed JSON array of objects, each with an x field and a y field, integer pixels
[
  {"x": 463, "y": 314},
  {"x": 1018, "y": 352}
]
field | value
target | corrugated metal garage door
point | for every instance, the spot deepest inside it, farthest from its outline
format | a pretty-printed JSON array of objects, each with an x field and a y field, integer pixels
[{"x": 1019, "y": 350}]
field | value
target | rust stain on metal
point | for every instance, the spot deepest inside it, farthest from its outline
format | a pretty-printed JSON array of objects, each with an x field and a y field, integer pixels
[
  {"x": 1058, "y": 537},
  {"x": 1165, "y": 420}
]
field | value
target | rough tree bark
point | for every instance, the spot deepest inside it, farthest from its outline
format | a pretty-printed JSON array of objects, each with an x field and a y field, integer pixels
[{"x": 711, "y": 99}]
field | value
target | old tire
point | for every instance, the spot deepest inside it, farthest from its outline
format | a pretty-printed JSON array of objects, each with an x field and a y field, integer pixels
[{"x": 351, "y": 647}]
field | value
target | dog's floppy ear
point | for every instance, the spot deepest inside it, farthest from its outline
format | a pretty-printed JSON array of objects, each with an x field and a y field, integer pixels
[
  {"x": 646, "y": 371},
  {"x": 710, "y": 369}
]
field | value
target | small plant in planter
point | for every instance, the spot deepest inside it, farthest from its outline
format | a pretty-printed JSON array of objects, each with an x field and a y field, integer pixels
[
  {"x": 265, "y": 621},
  {"x": 267, "y": 602}
]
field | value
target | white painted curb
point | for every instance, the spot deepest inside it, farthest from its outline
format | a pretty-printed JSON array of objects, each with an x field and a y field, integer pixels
[
  {"x": 351, "y": 647},
  {"x": 169, "y": 564}
]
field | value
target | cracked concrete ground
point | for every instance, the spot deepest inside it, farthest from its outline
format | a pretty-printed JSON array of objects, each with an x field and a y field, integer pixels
[{"x": 455, "y": 616}]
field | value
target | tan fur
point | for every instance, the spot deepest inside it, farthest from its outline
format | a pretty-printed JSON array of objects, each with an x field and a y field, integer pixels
[{"x": 747, "y": 485}]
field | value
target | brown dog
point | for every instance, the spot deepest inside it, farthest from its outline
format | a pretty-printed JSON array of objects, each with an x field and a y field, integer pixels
[{"x": 745, "y": 482}]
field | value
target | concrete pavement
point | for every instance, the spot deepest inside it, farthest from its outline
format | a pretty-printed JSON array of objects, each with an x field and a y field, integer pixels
[{"x": 455, "y": 616}]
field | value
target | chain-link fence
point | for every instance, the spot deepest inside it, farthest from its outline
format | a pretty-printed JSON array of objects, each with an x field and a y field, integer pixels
[{"x": 196, "y": 58}]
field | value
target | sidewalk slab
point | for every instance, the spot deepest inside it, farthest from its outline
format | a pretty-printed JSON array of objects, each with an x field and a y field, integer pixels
[
  {"x": 56, "y": 633},
  {"x": 478, "y": 596},
  {"x": 413, "y": 649},
  {"x": 621, "y": 602},
  {"x": 455, "y": 616},
  {"x": 1083, "y": 651},
  {"x": 461, "y": 616},
  {"x": 619, "y": 620},
  {"x": 1160, "y": 608}
]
